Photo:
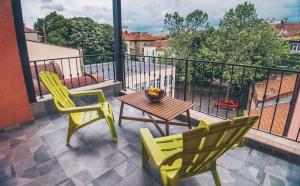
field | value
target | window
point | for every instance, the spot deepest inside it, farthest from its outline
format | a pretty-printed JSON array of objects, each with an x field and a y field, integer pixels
[
  {"x": 295, "y": 47},
  {"x": 165, "y": 81},
  {"x": 158, "y": 82},
  {"x": 152, "y": 83},
  {"x": 144, "y": 85},
  {"x": 170, "y": 80}
]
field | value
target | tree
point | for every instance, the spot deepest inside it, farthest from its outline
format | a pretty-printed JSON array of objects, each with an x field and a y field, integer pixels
[
  {"x": 185, "y": 32},
  {"x": 92, "y": 37},
  {"x": 243, "y": 38},
  {"x": 187, "y": 35},
  {"x": 78, "y": 32},
  {"x": 57, "y": 28}
]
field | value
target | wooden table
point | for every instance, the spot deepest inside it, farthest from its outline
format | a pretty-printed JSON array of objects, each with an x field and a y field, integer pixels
[{"x": 166, "y": 110}]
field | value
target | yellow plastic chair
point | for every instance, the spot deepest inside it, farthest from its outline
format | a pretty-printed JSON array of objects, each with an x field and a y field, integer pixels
[
  {"x": 195, "y": 151},
  {"x": 79, "y": 116}
]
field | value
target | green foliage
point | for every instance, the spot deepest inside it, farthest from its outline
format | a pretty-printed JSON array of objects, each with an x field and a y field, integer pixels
[
  {"x": 77, "y": 32},
  {"x": 292, "y": 62},
  {"x": 185, "y": 32},
  {"x": 241, "y": 38},
  {"x": 92, "y": 37}
]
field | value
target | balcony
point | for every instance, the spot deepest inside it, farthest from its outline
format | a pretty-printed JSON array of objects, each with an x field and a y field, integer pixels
[{"x": 34, "y": 152}]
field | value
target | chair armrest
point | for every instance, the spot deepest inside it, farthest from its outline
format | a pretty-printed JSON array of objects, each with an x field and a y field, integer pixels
[
  {"x": 205, "y": 123},
  {"x": 151, "y": 146},
  {"x": 81, "y": 109},
  {"x": 98, "y": 93}
]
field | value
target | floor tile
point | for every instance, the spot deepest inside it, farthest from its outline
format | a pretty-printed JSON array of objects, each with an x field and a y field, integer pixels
[{"x": 36, "y": 154}]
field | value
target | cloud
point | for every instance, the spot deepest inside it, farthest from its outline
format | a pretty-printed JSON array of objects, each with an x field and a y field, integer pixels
[
  {"x": 54, "y": 7},
  {"x": 46, "y": 1},
  {"x": 145, "y": 15}
]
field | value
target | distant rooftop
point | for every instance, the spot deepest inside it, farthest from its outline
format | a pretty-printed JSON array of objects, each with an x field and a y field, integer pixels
[
  {"x": 288, "y": 30},
  {"x": 287, "y": 87},
  {"x": 162, "y": 43},
  {"x": 137, "y": 36},
  {"x": 29, "y": 30}
]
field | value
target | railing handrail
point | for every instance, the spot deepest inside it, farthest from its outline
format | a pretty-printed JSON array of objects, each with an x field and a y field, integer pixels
[
  {"x": 81, "y": 56},
  {"x": 221, "y": 63},
  {"x": 174, "y": 58}
]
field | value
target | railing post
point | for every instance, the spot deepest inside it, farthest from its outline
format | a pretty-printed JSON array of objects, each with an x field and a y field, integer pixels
[
  {"x": 292, "y": 105},
  {"x": 38, "y": 79},
  {"x": 185, "y": 79},
  {"x": 117, "y": 20}
]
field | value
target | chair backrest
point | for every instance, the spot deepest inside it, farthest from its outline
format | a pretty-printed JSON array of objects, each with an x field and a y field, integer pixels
[
  {"x": 59, "y": 92},
  {"x": 201, "y": 147}
]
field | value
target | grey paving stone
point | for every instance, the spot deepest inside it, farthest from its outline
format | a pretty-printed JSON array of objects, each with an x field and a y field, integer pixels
[
  {"x": 30, "y": 173},
  {"x": 49, "y": 166},
  {"x": 252, "y": 172},
  {"x": 138, "y": 178},
  {"x": 6, "y": 173},
  {"x": 126, "y": 168},
  {"x": 107, "y": 179},
  {"x": 67, "y": 182},
  {"x": 82, "y": 178},
  {"x": 43, "y": 157},
  {"x": 36, "y": 154},
  {"x": 129, "y": 150}
]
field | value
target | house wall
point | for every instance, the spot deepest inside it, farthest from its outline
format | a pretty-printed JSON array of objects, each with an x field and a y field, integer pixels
[
  {"x": 137, "y": 81},
  {"x": 14, "y": 102},
  {"x": 295, "y": 123},
  {"x": 32, "y": 36},
  {"x": 149, "y": 51},
  {"x": 42, "y": 51}
]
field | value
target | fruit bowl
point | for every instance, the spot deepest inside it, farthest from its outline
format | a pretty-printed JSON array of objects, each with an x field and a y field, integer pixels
[{"x": 155, "y": 94}]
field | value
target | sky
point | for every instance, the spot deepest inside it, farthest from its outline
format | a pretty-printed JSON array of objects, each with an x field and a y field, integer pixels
[{"x": 148, "y": 15}]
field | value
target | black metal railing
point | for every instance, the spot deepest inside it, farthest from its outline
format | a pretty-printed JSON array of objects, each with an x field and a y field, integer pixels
[
  {"x": 223, "y": 90},
  {"x": 75, "y": 72}
]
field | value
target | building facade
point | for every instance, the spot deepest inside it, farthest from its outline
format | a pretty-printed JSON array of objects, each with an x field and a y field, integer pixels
[{"x": 289, "y": 31}]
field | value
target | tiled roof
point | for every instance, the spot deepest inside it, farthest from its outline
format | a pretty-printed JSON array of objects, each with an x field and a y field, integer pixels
[
  {"x": 162, "y": 43},
  {"x": 287, "y": 29},
  {"x": 267, "y": 117},
  {"x": 29, "y": 30},
  {"x": 287, "y": 87},
  {"x": 138, "y": 36}
]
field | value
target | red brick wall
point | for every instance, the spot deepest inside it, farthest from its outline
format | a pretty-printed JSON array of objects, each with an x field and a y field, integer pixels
[{"x": 14, "y": 105}]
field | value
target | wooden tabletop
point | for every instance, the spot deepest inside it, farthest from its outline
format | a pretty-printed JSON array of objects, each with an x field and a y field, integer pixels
[{"x": 167, "y": 109}]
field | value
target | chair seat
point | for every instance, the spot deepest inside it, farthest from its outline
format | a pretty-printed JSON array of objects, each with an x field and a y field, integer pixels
[{"x": 90, "y": 116}]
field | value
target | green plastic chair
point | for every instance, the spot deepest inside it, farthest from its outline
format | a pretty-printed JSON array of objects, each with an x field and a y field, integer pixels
[
  {"x": 79, "y": 116},
  {"x": 195, "y": 151}
]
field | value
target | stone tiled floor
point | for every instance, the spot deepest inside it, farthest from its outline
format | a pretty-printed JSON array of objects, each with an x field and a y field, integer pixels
[{"x": 35, "y": 154}]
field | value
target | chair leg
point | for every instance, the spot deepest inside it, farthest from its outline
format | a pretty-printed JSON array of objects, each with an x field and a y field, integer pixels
[
  {"x": 111, "y": 125},
  {"x": 216, "y": 175},
  {"x": 167, "y": 181},
  {"x": 145, "y": 156},
  {"x": 71, "y": 130},
  {"x": 174, "y": 181}
]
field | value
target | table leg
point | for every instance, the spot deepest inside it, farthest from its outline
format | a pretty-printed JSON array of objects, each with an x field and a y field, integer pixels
[
  {"x": 189, "y": 118},
  {"x": 156, "y": 125},
  {"x": 167, "y": 128},
  {"x": 121, "y": 113}
]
